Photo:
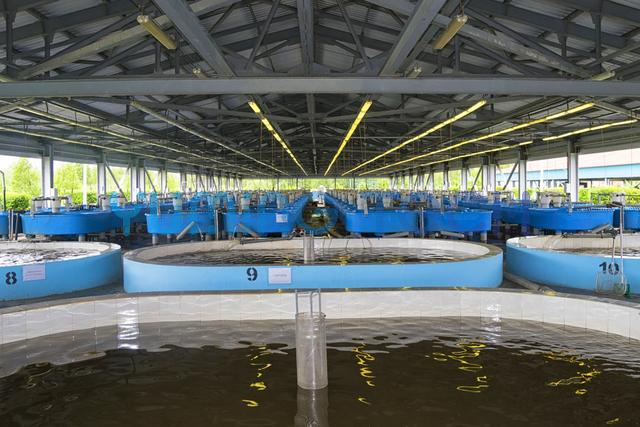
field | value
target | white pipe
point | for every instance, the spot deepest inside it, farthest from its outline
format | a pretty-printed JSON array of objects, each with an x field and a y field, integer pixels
[{"x": 185, "y": 230}]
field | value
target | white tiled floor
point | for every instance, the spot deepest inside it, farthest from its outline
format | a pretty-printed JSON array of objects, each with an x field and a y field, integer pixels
[{"x": 126, "y": 312}]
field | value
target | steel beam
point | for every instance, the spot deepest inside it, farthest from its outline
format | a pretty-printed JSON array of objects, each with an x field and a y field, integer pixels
[
  {"x": 419, "y": 21},
  {"x": 188, "y": 23},
  {"x": 545, "y": 22},
  {"x": 607, "y": 7},
  {"x": 115, "y": 39},
  {"x": 305, "y": 24},
  {"x": 17, "y": 5},
  {"x": 263, "y": 33},
  {"x": 169, "y": 85}
]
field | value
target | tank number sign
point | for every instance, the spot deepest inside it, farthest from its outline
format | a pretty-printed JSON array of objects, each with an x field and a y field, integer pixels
[
  {"x": 252, "y": 274},
  {"x": 10, "y": 278},
  {"x": 610, "y": 267}
]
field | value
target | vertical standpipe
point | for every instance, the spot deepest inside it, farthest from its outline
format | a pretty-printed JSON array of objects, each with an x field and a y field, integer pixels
[
  {"x": 308, "y": 248},
  {"x": 311, "y": 344}
]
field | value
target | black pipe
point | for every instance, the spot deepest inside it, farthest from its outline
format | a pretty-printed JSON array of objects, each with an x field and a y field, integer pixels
[{"x": 4, "y": 193}]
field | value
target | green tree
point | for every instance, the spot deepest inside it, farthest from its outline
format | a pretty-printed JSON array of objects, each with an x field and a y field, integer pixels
[
  {"x": 25, "y": 179},
  {"x": 68, "y": 179}
]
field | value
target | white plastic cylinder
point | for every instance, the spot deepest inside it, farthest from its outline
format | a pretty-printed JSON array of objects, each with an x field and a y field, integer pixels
[
  {"x": 311, "y": 351},
  {"x": 313, "y": 408}
]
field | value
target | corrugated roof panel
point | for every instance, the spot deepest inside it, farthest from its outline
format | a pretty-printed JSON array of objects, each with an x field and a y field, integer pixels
[
  {"x": 22, "y": 18},
  {"x": 551, "y": 8},
  {"x": 63, "y": 7}
]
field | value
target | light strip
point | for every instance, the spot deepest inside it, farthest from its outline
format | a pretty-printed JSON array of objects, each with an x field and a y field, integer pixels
[
  {"x": 265, "y": 121},
  {"x": 158, "y": 33},
  {"x": 363, "y": 110},
  {"x": 490, "y": 135},
  {"x": 590, "y": 129},
  {"x": 429, "y": 131},
  {"x": 477, "y": 153}
]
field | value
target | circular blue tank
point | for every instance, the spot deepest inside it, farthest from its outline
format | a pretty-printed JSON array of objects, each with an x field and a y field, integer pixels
[
  {"x": 631, "y": 218},
  {"x": 67, "y": 222},
  {"x": 269, "y": 222},
  {"x": 516, "y": 212},
  {"x": 100, "y": 266},
  {"x": 460, "y": 221},
  {"x": 570, "y": 262},
  {"x": 174, "y": 223},
  {"x": 381, "y": 222},
  {"x": 142, "y": 273},
  {"x": 561, "y": 220}
]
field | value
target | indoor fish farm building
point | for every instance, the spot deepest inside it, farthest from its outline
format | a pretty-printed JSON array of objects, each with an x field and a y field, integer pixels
[{"x": 319, "y": 212}]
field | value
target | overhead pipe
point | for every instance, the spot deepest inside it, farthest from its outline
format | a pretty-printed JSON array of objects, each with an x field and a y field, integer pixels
[
  {"x": 183, "y": 149},
  {"x": 200, "y": 135},
  {"x": 4, "y": 192},
  {"x": 96, "y": 146}
]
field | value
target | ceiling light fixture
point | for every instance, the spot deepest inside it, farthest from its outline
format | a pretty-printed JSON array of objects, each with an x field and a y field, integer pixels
[
  {"x": 429, "y": 131},
  {"x": 265, "y": 121},
  {"x": 158, "y": 33},
  {"x": 452, "y": 29},
  {"x": 590, "y": 129},
  {"x": 554, "y": 116},
  {"x": 363, "y": 110}
]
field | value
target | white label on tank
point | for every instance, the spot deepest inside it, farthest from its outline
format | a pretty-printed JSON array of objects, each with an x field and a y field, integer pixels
[
  {"x": 33, "y": 272},
  {"x": 281, "y": 218},
  {"x": 279, "y": 276}
]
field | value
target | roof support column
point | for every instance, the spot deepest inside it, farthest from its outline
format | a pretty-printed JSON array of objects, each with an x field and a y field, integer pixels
[
  {"x": 522, "y": 176},
  {"x": 431, "y": 185},
  {"x": 47, "y": 171},
  {"x": 183, "y": 181},
  {"x": 163, "y": 179},
  {"x": 488, "y": 174},
  {"x": 199, "y": 182},
  {"x": 9, "y": 18},
  {"x": 464, "y": 177},
  {"x": 133, "y": 179},
  {"x": 101, "y": 175},
  {"x": 142, "y": 180},
  {"x": 445, "y": 177},
  {"x": 573, "y": 181}
]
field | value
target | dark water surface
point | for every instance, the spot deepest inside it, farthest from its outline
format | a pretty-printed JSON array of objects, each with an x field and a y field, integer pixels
[
  {"x": 628, "y": 252},
  {"x": 23, "y": 256},
  {"x": 396, "y": 372},
  {"x": 322, "y": 257}
]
